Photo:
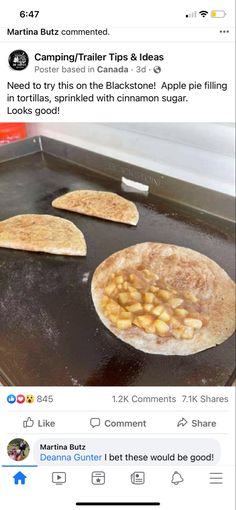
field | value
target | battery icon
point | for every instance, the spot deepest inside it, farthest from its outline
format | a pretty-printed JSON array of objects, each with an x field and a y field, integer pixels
[{"x": 218, "y": 14}]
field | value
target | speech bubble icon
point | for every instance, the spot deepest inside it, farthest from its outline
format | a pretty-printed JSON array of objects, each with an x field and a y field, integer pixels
[{"x": 95, "y": 422}]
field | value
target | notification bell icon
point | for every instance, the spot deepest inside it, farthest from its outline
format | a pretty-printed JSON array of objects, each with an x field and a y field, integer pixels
[{"x": 176, "y": 478}]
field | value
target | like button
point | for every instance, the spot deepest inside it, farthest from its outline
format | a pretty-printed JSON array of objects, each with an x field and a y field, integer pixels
[{"x": 28, "y": 423}]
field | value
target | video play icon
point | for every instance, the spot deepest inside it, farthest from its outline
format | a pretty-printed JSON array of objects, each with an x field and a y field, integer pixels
[{"x": 59, "y": 478}]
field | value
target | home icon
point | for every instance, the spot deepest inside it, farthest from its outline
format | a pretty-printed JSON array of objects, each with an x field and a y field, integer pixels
[{"x": 19, "y": 478}]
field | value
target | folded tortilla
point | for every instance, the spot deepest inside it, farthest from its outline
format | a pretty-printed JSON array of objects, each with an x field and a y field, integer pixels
[
  {"x": 42, "y": 233},
  {"x": 101, "y": 204}
]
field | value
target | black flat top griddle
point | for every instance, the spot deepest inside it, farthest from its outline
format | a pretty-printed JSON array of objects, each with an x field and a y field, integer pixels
[{"x": 50, "y": 333}]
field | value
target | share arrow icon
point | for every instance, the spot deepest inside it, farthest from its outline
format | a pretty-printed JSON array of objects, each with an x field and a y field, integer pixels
[{"x": 182, "y": 422}]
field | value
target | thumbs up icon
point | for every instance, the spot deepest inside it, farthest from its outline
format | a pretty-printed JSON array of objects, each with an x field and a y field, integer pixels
[{"x": 28, "y": 423}]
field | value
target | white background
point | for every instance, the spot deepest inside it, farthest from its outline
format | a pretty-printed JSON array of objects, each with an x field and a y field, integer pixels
[
  {"x": 210, "y": 58},
  {"x": 69, "y": 403}
]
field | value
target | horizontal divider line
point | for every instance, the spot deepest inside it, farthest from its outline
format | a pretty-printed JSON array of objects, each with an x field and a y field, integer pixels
[
  {"x": 20, "y": 466},
  {"x": 119, "y": 504}
]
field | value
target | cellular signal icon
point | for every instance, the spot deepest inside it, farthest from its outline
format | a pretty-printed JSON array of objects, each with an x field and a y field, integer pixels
[
  {"x": 203, "y": 13},
  {"x": 192, "y": 14}
]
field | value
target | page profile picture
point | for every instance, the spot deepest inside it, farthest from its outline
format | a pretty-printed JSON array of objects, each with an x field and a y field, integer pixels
[
  {"x": 18, "y": 60},
  {"x": 18, "y": 449}
]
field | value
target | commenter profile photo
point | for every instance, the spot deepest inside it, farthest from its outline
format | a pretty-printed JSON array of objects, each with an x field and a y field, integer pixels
[{"x": 18, "y": 449}]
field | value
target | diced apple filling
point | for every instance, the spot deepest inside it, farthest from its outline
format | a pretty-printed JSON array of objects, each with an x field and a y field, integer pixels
[
  {"x": 132, "y": 299},
  {"x": 161, "y": 327},
  {"x": 158, "y": 310},
  {"x": 149, "y": 297},
  {"x": 165, "y": 295},
  {"x": 165, "y": 316},
  {"x": 136, "y": 307},
  {"x": 181, "y": 312},
  {"x": 193, "y": 323},
  {"x": 175, "y": 302},
  {"x": 124, "y": 323}
]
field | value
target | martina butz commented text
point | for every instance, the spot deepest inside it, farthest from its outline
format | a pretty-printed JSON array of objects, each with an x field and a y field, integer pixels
[
  {"x": 128, "y": 451},
  {"x": 67, "y": 84}
]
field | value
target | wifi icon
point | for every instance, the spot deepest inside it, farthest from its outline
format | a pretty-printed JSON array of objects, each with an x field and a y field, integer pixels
[{"x": 203, "y": 13}]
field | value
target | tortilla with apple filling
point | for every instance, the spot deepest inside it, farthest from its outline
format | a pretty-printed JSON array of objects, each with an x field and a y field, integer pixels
[{"x": 165, "y": 299}]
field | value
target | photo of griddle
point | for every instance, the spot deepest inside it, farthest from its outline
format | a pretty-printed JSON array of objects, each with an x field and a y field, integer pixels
[{"x": 50, "y": 333}]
